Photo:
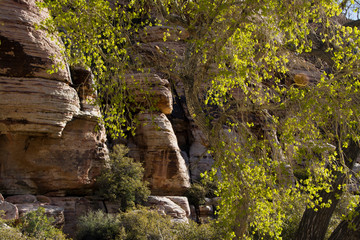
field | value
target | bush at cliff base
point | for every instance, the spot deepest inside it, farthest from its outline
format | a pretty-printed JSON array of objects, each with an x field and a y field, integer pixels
[
  {"x": 35, "y": 225},
  {"x": 122, "y": 180},
  {"x": 141, "y": 224}
]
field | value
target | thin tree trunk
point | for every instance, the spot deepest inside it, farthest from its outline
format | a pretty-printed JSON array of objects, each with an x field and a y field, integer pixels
[
  {"x": 348, "y": 229},
  {"x": 313, "y": 225}
]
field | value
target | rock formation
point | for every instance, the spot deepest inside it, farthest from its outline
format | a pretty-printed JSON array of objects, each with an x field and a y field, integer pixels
[
  {"x": 48, "y": 142},
  {"x": 165, "y": 168},
  {"x": 52, "y": 146}
]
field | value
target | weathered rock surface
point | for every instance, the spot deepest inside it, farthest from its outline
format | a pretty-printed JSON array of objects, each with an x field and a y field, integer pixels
[
  {"x": 149, "y": 89},
  {"x": 26, "y": 198},
  {"x": 32, "y": 101},
  {"x": 55, "y": 212},
  {"x": 182, "y": 202},
  {"x": 10, "y": 210},
  {"x": 168, "y": 207},
  {"x": 200, "y": 160},
  {"x": 48, "y": 141},
  {"x": 165, "y": 168},
  {"x": 38, "y": 165}
]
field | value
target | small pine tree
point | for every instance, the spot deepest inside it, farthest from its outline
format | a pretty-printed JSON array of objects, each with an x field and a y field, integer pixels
[{"x": 122, "y": 181}]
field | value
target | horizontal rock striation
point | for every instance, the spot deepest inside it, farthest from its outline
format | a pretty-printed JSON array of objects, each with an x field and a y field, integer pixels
[
  {"x": 50, "y": 139},
  {"x": 33, "y": 101}
]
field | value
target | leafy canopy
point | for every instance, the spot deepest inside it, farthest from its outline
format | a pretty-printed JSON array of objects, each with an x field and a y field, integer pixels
[{"x": 241, "y": 58}]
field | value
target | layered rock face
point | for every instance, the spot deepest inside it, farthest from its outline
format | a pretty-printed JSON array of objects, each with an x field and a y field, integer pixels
[
  {"x": 165, "y": 168},
  {"x": 32, "y": 101},
  {"x": 48, "y": 142}
]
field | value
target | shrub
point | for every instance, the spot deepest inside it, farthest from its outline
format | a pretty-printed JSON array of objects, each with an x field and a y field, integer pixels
[
  {"x": 37, "y": 225},
  {"x": 122, "y": 180},
  {"x": 194, "y": 231},
  {"x": 7, "y": 232},
  {"x": 143, "y": 224},
  {"x": 146, "y": 224},
  {"x": 99, "y": 226},
  {"x": 196, "y": 194},
  {"x": 139, "y": 224}
]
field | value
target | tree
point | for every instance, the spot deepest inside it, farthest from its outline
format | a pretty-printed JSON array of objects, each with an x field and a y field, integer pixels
[
  {"x": 262, "y": 116},
  {"x": 122, "y": 180}
]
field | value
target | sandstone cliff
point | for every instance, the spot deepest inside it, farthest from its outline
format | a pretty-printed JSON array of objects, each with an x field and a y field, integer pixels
[
  {"x": 48, "y": 142},
  {"x": 52, "y": 146}
]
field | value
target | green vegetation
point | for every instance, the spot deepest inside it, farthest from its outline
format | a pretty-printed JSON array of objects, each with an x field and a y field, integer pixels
[
  {"x": 198, "y": 191},
  {"x": 99, "y": 225},
  {"x": 196, "y": 194},
  {"x": 37, "y": 225},
  {"x": 34, "y": 225},
  {"x": 142, "y": 224},
  {"x": 122, "y": 180},
  {"x": 241, "y": 56},
  {"x": 7, "y": 233}
]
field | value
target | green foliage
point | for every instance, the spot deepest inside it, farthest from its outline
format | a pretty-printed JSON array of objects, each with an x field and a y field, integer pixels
[
  {"x": 208, "y": 231},
  {"x": 7, "y": 232},
  {"x": 99, "y": 35},
  {"x": 37, "y": 225},
  {"x": 198, "y": 191},
  {"x": 122, "y": 180},
  {"x": 138, "y": 224},
  {"x": 238, "y": 57},
  {"x": 196, "y": 194},
  {"x": 142, "y": 224},
  {"x": 145, "y": 225},
  {"x": 99, "y": 225}
]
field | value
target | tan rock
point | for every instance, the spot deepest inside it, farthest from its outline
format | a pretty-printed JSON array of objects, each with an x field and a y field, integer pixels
[
  {"x": 169, "y": 207},
  {"x": 36, "y": 106},
  {"x": 33, "y": 101},
  {"x": 25, "y": 50},
  {"x": 165, "y": 168},
  {"x": 33, "y": 165},
  {"x": 10, "y": 210},
  {"x": 182, "y": 202},
  {"x": 149, "y": 89},
  {"x": 26, "y": 198},
  {"x": 43, "y": 199}
]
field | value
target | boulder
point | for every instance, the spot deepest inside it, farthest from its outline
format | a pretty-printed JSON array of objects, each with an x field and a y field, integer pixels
[
  {"x": 27, "y": 198},
  {"x": 55, "y": 212},
  {"x": 9, "y": 210},
  {"x": 150, "y": 90},
  {"x": 38, "y": 165},
  {"x": 182, "y": 202},
  {"x": 170, "y": 208},
  {"x": 43, "y": 199},
  {"x": 165, "y": 168}
]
